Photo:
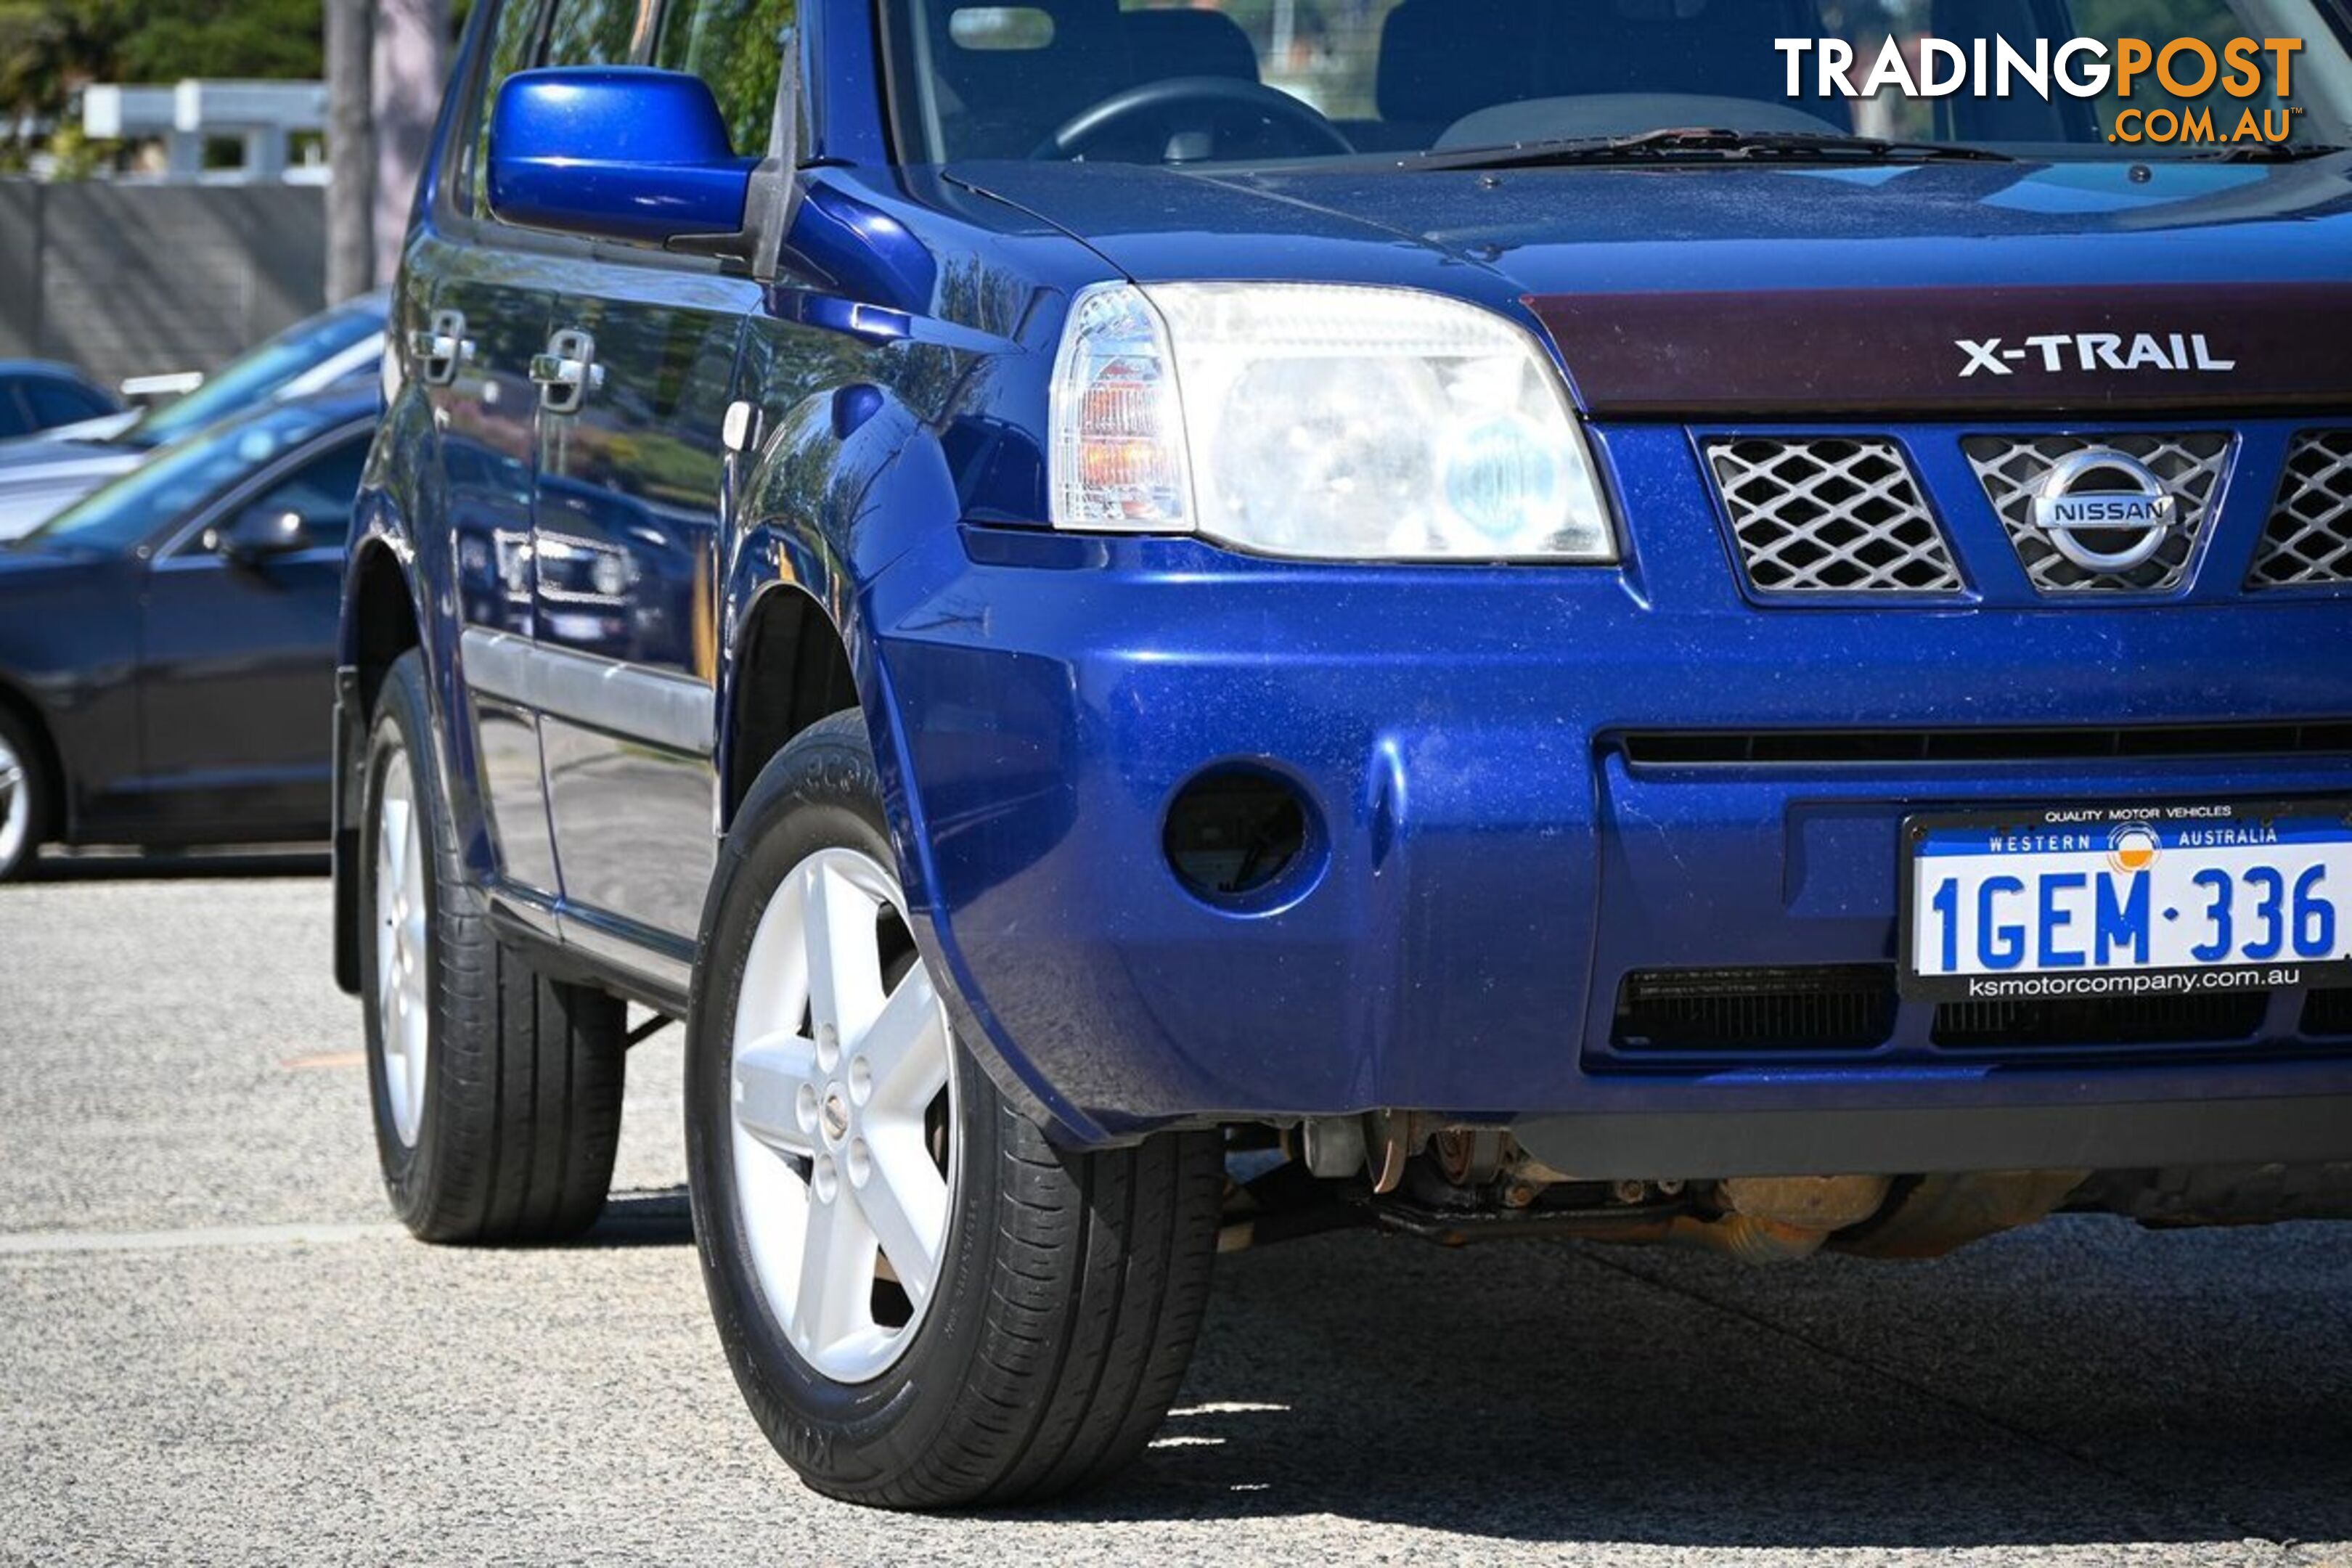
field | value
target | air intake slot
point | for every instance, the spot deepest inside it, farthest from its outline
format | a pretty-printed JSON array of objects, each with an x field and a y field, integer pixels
[
  {"x": 1830, "y": 748},
  {"x": 2221, "y": 1018},
  {"x": 1833, "y": 1008}
]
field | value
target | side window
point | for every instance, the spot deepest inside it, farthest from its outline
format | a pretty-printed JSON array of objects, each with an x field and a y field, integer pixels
[
  {"x": 12, "y": 411},
  {"x": 59, "y": 403},
  {"x": 514, "y": 39},
  {"x": 592, "y": 32},
  {"x": 736, "y": 45},
  {"x": 321, "y": 492}
]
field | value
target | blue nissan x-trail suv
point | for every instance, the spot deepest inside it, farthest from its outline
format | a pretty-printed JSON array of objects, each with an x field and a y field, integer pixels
[{"x": 1165, "y": 628}]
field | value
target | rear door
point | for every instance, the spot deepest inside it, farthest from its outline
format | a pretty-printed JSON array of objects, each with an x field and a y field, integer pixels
[
  {"x": 237, "y": 662},
  {"x": 630, "y": 465},
  {"x": 488, "y": 313}
]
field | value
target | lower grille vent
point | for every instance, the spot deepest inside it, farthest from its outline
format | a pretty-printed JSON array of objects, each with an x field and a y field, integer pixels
[
  {"x": 2218, "y": 1019},
  {"x": 1842, "y": 1008},
  {"x": 1777, "y": 1012},
  {"x": 2327, "y": 1014},
  {"x": 1799, "y": 748}
]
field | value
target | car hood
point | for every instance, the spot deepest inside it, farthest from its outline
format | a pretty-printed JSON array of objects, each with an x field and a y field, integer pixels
[
  {"x": 36, "y": 458},
  {"x": 1776, "y": 284},
  {"x": 25, "y": 505}
]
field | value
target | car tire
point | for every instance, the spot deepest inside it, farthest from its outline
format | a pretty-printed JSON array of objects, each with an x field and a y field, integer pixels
[
  {"x": 496, "y": 1092},
  {"x": 24, "y": 804},
  {"x": 1067, "y": 1288}
]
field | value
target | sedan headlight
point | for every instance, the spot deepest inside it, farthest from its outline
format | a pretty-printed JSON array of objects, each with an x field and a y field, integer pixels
[{"x": 1319, "y": 421}]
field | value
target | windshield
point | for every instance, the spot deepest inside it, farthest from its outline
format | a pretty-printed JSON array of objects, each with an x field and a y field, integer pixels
[
  {"x": 175, "y": 481},
  {"x": 1378, "y": 81},
  {"x": 259, "y": 374}
]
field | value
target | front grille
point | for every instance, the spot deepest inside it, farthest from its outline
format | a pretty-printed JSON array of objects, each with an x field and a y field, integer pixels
[
  {"x": 2013, "y": 468},
  {"x": 2216, "y": 1019},
  {"x": 1837, "y": 748},
  {"x": 2327, "y": 1014},
  {"x": 2309, "y": 539},
  {"x": 1830, "y": 516},
  {"x": 1836, "y": 1007}
]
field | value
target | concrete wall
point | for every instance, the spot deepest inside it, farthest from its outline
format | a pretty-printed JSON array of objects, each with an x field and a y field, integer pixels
[{"x": 144, "y": 280}]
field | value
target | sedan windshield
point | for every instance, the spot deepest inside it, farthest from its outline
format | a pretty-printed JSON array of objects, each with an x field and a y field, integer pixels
[
  {"x": 261, "y": 373},
  {"x": 153, "y": 496},
  {"x": 1182, "y": 81}
]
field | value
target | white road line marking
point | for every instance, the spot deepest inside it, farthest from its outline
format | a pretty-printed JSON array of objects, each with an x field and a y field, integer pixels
[{"x": 33, "y": 1243}]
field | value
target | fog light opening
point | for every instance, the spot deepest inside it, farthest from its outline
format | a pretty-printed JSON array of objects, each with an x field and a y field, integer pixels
[{"x": 1237, "y": 836}]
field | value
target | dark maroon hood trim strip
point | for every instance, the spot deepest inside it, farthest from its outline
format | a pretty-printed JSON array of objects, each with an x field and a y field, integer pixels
[{"x": 1897, "y": 351}]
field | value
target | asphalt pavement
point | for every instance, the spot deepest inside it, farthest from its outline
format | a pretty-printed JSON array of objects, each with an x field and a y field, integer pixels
[{"x": 217, "y": 1350}]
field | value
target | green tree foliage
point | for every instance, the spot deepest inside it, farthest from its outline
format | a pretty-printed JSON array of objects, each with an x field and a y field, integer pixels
[
  {"x": 50, "y": 48},
  {"x": 268, "y": 38}
]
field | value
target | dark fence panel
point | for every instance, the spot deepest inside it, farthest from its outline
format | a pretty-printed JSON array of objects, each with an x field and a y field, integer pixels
[{"x": 144, "y": 280}]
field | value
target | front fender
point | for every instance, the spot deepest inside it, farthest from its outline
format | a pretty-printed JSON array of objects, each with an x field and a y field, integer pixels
[{"x": 849, "y": 483}]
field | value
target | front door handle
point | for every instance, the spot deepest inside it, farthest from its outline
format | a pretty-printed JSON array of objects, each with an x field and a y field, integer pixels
[
  {"x": 568, "y": 371},
  {"x": 441, "y": 347}
]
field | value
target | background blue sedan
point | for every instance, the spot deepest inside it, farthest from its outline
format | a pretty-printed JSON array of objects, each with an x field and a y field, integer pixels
[{"x": 166, "y": 645}]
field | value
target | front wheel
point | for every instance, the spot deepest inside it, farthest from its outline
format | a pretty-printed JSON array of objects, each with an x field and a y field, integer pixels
[{"x": 925, "y": 1303}]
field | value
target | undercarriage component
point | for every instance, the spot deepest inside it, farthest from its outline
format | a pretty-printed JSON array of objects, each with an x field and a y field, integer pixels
[
  {"x": 1779, "y": 1219},
  {"x": 1468, "y": 1156},
  {"x": 1805, "y": 1202},
  {"x": 1454, "y": 1183},
  {"x": 1748, "y": 1238},
  {"x": 1334, "y": 1145},
  {"x": 1932, "y": 1215},
  {"x": 1450, "y": 1227},
  {"x": 2223, "y": 1195}
]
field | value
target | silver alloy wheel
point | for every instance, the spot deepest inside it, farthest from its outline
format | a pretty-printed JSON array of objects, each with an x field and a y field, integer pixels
[
  {"x": 16, "y": 805},
  {"x": 844, "y": 1169},
  {"x": 402, "y": 996}
]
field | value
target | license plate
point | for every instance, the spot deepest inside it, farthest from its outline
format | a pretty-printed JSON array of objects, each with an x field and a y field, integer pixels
[{"x": 2142, "y": 901}]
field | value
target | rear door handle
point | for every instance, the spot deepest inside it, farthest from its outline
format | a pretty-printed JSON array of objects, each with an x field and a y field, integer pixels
[
  {"x": 568, "y": 371},
  {"x": 441, "y": 347}
]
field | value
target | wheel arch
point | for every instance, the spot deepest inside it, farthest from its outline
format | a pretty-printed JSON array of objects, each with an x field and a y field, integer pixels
[
  {"x": 819, "y": 519},
  {"x": 19, "y": 704},
  {"x": 380, "y": 622},
  {"x": 791, "y": 667}
]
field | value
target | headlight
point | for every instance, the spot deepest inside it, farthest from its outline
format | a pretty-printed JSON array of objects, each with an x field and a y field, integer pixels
[{"x": 1319, "y": 421}]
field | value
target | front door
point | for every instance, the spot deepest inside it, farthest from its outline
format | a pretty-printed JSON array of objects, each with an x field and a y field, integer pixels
[
  {"x": 625, "y": 539},
  {"x": 642, "y": 363}
]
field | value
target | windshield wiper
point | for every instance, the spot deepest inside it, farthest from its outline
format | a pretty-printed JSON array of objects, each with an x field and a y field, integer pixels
[
  {"x": 1666, "y": 145},
  {"x": 2265, "y": 153}
]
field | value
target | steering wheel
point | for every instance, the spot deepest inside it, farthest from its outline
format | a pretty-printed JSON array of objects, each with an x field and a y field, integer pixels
[{"x": 1178, "y": 103}]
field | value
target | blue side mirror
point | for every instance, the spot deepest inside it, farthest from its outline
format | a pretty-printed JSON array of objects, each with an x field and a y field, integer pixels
[{"x": 615, "y": 152}]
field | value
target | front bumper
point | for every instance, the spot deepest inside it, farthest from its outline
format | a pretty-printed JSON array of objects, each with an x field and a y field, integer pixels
[{"x": 1496, "y": 857}]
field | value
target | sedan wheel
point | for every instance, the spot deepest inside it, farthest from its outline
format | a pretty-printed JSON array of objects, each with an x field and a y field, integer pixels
[{"x": 22, "y": 809}]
